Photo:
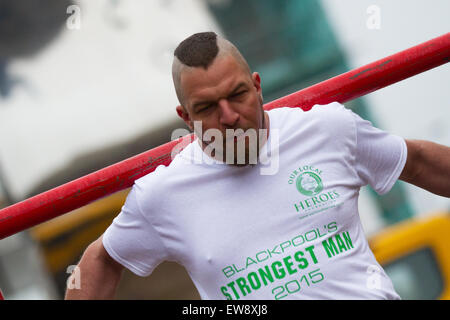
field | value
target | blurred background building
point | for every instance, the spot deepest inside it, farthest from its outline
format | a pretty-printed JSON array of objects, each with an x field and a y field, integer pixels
[{"x": 85, "y": 84}]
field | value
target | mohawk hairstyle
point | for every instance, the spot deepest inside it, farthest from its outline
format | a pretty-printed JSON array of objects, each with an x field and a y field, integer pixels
[{"x": 199, "y": 50}]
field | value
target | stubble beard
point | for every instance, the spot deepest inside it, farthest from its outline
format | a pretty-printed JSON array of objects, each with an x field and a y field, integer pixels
[{"x": 252, "y": 147}]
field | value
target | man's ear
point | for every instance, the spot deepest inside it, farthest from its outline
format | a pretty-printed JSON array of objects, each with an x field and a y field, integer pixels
[
  {"x": 181, "y": 111},
  {"x": 257, "y": 83}
]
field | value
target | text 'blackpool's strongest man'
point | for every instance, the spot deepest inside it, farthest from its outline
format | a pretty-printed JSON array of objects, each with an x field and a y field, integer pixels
[{"x": 243, "y": 232}]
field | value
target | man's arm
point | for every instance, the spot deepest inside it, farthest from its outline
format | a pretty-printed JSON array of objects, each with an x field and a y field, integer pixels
[
  {"x": 99, "y": 274},
  {"x": 428, "y": 166}
]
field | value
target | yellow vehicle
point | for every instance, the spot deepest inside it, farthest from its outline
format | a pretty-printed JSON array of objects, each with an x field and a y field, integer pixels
[
  {"x": 414, "y": 253},
  {"x": 63, "y": 240},
  {"x": 416, "y": 256}
]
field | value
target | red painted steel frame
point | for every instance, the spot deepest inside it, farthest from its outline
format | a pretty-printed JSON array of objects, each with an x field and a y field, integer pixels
[{"x": 122, "y": 175}]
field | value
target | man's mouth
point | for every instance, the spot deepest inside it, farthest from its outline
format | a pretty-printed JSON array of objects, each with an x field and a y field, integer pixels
[
  {"x": 236, "y": 138},
  {"x": 239, "y": 137}
]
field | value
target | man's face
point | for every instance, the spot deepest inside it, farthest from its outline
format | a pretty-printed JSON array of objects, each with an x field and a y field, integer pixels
[{"x": 225, "y": 96}]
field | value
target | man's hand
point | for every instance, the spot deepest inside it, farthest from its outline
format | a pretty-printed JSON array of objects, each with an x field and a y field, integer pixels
[
  {"x": 428, "y": 166},
  {"x": 99, "y": 275}
]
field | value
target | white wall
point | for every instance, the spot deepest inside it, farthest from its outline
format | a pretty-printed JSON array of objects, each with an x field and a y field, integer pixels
[{"x": 101, "y": 84}]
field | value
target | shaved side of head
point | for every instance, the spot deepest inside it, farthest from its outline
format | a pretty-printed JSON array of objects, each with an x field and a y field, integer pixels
[{"x": 200, "y": 51}]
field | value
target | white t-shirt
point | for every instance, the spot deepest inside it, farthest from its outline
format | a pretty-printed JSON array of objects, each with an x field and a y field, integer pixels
[{"x": 240, "y": 234}]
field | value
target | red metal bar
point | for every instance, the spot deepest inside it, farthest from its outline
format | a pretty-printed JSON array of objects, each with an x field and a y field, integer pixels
[
  {"x": 371, "y": 77},
  {"x": 1, "y": 295},
  {"x": 122, "y": 175}
]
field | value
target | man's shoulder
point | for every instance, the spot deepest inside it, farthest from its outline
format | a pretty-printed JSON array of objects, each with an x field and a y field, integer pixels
[
  {"x": 317, "y": 109},
  {"x": 162, "y": 175},
  {"x": 152, "y": 178},
  {"x": 154, "y": 186},
  {"x": 327, "y": 115},
  {"x": 329, "y": 109}
]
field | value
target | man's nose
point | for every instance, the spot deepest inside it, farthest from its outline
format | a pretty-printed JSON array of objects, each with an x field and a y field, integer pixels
[{"x": 228, "y": 116}]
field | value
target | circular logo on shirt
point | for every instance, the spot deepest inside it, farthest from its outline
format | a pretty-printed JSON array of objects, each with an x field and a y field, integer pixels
[{"x": 309, "y": 183}]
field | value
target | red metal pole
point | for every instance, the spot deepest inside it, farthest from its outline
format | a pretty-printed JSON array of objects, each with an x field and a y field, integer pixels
[
  {"x": 371, "y": 77},
  {"x": 122, "y": 175}
]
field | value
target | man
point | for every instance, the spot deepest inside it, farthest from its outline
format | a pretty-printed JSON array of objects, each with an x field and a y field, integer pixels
[{"x": 291, "y": 234}]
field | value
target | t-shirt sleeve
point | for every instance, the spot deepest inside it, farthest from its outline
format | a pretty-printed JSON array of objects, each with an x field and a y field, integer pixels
[
  {"x": 379, "y": 156},
  {"x": 131, "y": 239}
]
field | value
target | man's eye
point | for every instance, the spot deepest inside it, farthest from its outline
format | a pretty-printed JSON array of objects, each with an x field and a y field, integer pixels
[
  {"x": 238, "y": 94},
  {"x": 204, "y": 108}
]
